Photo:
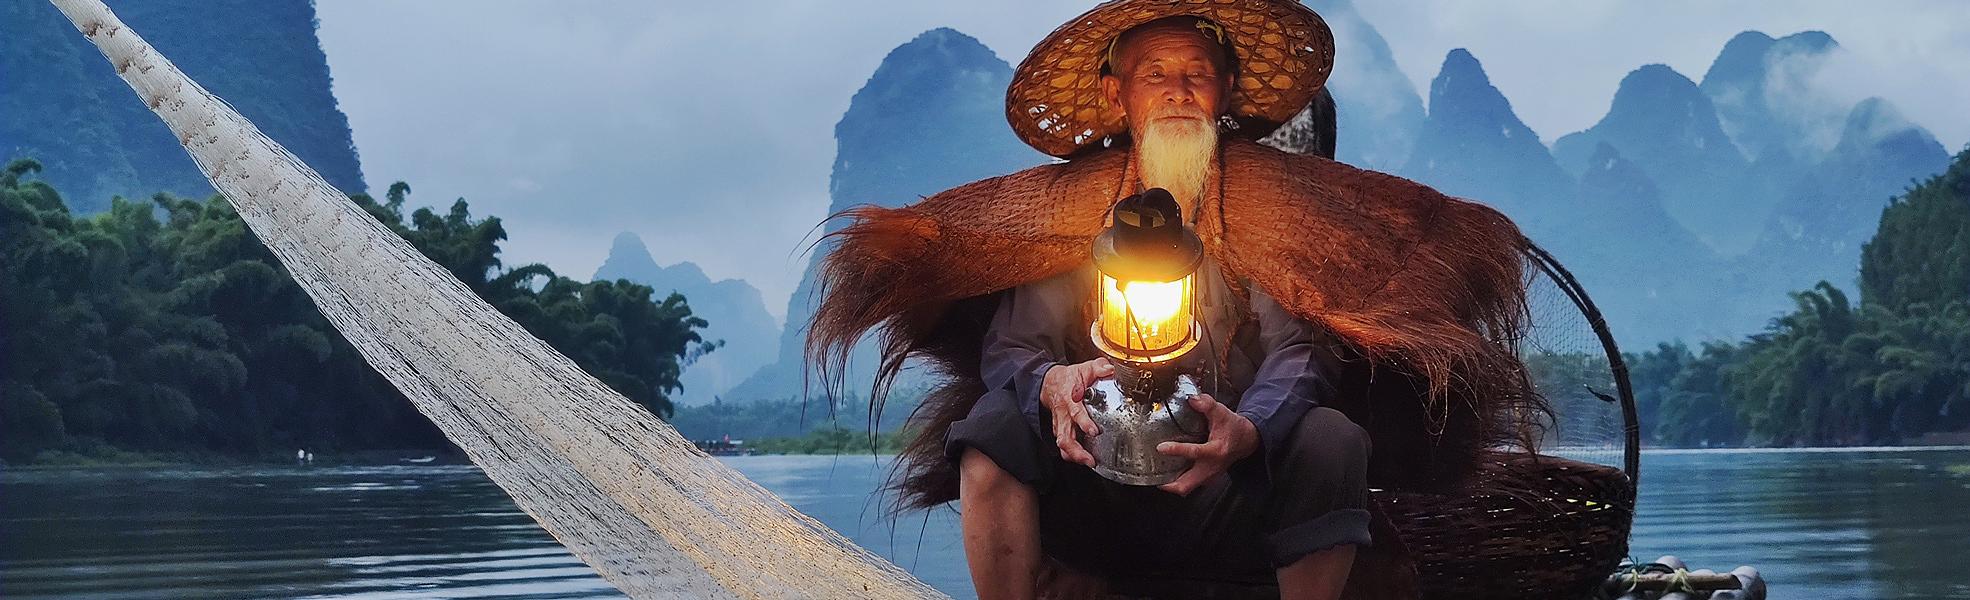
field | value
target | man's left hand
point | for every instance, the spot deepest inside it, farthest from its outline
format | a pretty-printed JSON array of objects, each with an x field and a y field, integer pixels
[{"x": 1232, "y": 437}]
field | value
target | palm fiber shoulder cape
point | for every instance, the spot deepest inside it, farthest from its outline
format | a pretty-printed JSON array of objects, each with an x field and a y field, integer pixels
[{"x": 1426, "y": 291}]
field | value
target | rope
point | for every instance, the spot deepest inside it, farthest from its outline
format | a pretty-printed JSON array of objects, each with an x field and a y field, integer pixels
[
  {"x": 1680, "y": 582},
  {"x": 1632, "y": 571}
]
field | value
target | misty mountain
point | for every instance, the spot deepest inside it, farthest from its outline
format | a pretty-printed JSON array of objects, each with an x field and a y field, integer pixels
[
  {"x": 65, "y": 106},
  {"x": 1795, "y": 212},
  {"x": 1642, "y": 268},
  {"x": 1610, "y": 228},
  {"x": 735, "y": 312},
  {"x": 932, "y": 117},
  {"x": 1473, "y": 146},
  {"x": 1830, "y": 210},
  {"x": 1769, "y": 101},
  {"x": 1826, "y": 166},
  {"x": 1669, "y": 129},
  {"x": 1378, "y": 112},
  {"x": 1763, "y": 92}
]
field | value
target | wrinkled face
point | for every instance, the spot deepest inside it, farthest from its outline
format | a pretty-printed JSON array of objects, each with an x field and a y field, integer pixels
[
  {"x": 1167, "y": 71},
  {"x": 1171, "y": 83}
]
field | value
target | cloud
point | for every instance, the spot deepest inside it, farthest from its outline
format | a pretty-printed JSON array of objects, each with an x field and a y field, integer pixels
[
  {"x": 1560, "y": 61},
  {"x": 1804, "y": 98}
]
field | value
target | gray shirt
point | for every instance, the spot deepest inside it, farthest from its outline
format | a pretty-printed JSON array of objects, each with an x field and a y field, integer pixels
[{"x": 1273, "y": 369}]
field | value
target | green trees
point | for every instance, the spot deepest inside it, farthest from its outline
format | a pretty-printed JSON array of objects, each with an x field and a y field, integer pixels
[
  {"x": 100, "y": 344},
  {"x": 122, "y": 331},
  {"x": 1680, "y": 397},
  {"x": 616, "y": 330},
  {"x": 1831, "y": 373},
  {"x": 1885, "y": 370},
  {"x": 1794, "y": 384},
  {"x": 1922, "y": 251}
]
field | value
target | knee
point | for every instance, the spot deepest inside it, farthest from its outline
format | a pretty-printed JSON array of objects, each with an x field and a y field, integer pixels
[
  {"x": 1328, "y": 441},
  {"x": 978, "y": 474}
]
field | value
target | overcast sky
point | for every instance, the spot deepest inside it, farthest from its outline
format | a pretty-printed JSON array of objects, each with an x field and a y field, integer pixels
[{"x": 707, "y": 127}]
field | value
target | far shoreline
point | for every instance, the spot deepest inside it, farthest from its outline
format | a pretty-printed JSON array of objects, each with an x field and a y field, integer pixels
[
  {"x": 453, "y": 460},
  {"x": 1800, "y": 449}
]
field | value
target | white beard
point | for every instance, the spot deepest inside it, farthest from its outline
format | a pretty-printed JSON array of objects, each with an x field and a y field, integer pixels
[{"x": 1176, "y": 155}]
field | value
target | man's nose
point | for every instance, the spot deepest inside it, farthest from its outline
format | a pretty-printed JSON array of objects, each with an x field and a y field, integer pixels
[{"x": 1179, "y": 92}]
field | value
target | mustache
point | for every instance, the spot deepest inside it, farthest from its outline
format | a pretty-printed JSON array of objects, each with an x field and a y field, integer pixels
[{"x": 1182, "y": 111}]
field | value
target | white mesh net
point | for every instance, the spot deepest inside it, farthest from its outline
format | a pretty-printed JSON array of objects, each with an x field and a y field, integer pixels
[
  {"x": 1569, "y": 366},
  {"x": 621, "y": 490}
]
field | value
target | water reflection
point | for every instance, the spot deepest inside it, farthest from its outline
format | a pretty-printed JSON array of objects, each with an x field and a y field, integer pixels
[
  {"x": 318, "y": 532},
  {"x": 1837, "y": 524},
  {"x": 1819, "y": 524}
]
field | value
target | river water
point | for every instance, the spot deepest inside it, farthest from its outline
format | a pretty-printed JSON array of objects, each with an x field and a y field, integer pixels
[{"x": 1818, "y": 523}]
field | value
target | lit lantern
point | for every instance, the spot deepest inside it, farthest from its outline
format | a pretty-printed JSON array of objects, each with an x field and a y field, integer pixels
[
  {"x": 1148, "y": 263},
  {"x": 1147, "y": 287}
]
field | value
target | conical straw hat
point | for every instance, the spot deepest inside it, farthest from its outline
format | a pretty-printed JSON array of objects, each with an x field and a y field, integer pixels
[{"x": 1284, "y": 49}]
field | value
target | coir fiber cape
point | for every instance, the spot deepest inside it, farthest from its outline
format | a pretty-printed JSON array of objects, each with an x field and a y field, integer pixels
[{"x": 1426, "y": 290}]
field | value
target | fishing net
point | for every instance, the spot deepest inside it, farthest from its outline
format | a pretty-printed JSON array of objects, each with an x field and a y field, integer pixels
[
  {"x": 623, "y": 491},
  {"x": 1567, "y": 352}
]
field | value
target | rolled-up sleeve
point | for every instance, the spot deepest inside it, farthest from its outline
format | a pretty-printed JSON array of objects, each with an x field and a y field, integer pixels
[
  {"x": 1024, "y": 340},
  {"x": 1301, "y": 361}
]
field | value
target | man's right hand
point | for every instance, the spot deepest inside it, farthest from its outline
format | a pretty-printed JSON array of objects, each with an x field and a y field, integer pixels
[{"x": 1062, "y": 391}]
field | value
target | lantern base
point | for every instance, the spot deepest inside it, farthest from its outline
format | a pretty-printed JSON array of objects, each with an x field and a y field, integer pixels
[
  {"x": 1136, "y": 410},
  {"x": 1145, "y": 360}
]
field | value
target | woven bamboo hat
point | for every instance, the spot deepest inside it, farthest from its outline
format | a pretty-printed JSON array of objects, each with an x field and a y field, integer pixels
[{"x": 1284, "y": 52}]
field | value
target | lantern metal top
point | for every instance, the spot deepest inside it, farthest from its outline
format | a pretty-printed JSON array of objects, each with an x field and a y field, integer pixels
[{"x": 1147, "y": 240}]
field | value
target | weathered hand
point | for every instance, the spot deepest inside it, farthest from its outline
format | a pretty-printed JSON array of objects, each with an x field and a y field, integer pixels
[
  {"x": 1232, "y": 437},
  {"x": 1062, "y": 391}
]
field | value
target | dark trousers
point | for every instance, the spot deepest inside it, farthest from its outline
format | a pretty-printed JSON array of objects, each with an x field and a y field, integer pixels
[{"x": 1314, "y": 498}]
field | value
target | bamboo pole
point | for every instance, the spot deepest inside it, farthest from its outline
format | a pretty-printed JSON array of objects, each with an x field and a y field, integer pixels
[{"x": 1662, "y": 582}]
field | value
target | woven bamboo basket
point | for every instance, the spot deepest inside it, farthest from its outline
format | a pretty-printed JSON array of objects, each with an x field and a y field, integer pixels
[{"x": 1535, "y": 527}]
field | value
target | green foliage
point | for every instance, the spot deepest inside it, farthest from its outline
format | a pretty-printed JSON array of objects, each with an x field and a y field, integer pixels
[
  {"x": 833, "y": 440},
  {"x": 1679, "y": 396},
  {"x": 791, "y": 418},
  {"x": 1833, "y": 372},
  {"x": 792, "y": 427},
  {"x": 615, "y": 330},
  {"x": 125, "y": 332},
  {"x": 1922, "y": 251}
]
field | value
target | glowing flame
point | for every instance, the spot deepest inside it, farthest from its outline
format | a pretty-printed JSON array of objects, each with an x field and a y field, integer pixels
[
  {"x": 1153, "y": 304},
  {"x": 1145, "y": 317}
]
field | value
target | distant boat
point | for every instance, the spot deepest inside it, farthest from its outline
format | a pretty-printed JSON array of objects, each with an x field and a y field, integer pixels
[
  {"x": 419, "y": 460},
  {"x": 724, "y": 446}
]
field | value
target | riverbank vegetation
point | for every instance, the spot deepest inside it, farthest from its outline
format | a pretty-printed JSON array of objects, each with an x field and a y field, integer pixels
[
  {"x": 789, "y": 426},
  {"x": 1889, "y": 367},
  {"x": 165, "y": 328},
  {"x": 833, "y": 440}
]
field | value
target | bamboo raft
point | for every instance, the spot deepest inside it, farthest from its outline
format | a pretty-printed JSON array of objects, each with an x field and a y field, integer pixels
[{"x": 1669, "y": 579}]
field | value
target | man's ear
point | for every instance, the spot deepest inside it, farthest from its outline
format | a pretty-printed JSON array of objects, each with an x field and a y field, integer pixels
[{"x": 1111, "y": 91}]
